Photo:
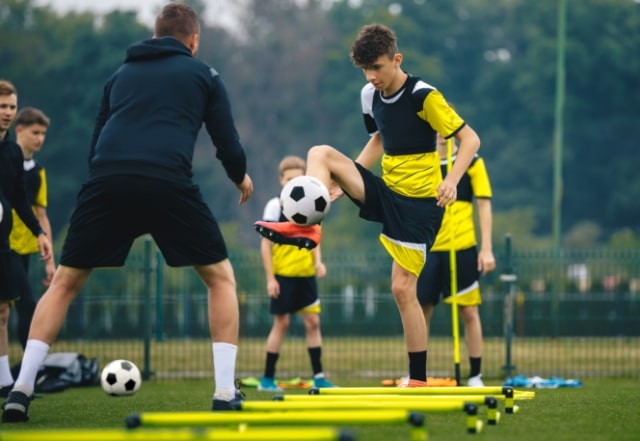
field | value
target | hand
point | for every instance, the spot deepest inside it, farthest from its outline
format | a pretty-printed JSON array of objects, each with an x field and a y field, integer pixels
[
  {"x": 44, "y": 245},
  {"x": 273, "y": 288},
  {"x": 246, "y": 189},
  {"x": 49, "y": 271},
  {"x": 486, "y": 261},
  {"x": 321, "y": 270},
  {"x": 447, "y": 193},
  {"x": 335, "y": 192}
]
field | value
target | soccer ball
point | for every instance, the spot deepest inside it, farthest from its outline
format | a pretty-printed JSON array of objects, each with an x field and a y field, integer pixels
[
  {"x": 304, "y": 200},
  {"x": 120, "y": 377}
]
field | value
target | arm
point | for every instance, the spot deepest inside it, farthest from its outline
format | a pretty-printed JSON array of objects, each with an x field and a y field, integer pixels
[
  {"x": 321, "y": 269},
  {"x": 50, "y": 265},
  {"x": 469, "y": 143},
  {"x": 486, "y": 260},
  {"x": 273, "y": 288},
  {"x": 371, "y": 152}
]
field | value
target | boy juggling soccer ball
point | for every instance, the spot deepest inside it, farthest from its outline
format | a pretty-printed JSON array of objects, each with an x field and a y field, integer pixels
[
  {"x": 403, "y": 115},
  {"x": 291, "y": 274}
]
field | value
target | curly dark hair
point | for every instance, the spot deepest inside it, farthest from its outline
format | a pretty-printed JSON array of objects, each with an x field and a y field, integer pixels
[{"x": 373, "y": 41}]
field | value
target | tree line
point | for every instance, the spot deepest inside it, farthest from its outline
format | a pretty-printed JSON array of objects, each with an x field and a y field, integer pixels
[{"x": 292, "y": 86}]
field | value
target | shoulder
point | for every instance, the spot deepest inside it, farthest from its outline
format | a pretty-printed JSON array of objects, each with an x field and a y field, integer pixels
[
  {"x": 421, "y": 88},
  {"x": 272, "y": 210},
  {"x": 366, "y": 97}
]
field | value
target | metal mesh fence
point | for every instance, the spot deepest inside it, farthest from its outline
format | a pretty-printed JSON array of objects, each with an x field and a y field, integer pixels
[{"x": 568, "y": 314}]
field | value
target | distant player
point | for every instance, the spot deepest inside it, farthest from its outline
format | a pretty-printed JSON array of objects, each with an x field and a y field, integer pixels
[
  {"x": 458, "y": 231},
  {"x": 292, "y": 287}
]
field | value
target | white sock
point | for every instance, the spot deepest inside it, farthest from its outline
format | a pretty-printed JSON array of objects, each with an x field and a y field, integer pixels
[
  {"x": 6, "y": 378},
  {"x": 34, "y": 354},
  {"x": 224, "y": 370}
]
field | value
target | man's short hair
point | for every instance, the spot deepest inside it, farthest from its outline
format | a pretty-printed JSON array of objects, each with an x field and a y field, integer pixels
[
  {"x": 177, "y": 20},
  {"x": 30, "y": 116},
  {"x": 373, "y": 41},
  {"x": 7, "y": 88}
]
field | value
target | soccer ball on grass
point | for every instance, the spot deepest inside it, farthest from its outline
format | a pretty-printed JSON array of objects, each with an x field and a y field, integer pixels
[
  {"x": 304, "y": 200},
  {"x": 120, "y": 377}
]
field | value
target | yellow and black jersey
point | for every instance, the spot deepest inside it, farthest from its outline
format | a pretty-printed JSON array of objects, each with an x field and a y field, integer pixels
[
  {"x": 287, "y": 260},
  {"x": 22, "y": 240},
  {"x": 458, "y": 217},
  {"x": 408, "y": 122}
]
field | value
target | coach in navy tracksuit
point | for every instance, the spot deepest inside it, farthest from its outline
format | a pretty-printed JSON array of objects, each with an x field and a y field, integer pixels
[{"x": 140, "y": 182}]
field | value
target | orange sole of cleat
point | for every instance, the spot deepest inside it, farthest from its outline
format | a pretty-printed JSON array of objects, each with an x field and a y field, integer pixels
[
  {"x": 281, "y": 238},
  {"x": 414, "y": 383}
]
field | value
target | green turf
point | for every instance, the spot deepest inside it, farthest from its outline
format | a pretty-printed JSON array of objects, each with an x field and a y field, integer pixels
[{"x": 601, "y": 410}]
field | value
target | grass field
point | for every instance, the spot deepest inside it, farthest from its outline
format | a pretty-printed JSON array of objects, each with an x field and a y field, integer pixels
[{"x": 603, "y": 409}]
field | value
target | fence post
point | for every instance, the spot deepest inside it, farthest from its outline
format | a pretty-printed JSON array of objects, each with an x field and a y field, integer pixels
[
  {"x": 509, "y": 278},
  {"x": 159, "y": 289},
  {"x": 147, "y": 269}
]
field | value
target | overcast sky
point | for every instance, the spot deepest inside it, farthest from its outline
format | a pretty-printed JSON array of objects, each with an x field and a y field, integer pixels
[{"x": 218, "y": 11}]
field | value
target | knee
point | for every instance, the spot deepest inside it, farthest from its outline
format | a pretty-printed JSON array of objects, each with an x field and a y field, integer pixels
[
  {"x": 312, "y": 323},
  {"x": 319, "y": 153}
]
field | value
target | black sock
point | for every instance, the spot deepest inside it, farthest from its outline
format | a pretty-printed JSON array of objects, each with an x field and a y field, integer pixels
[
  {"x": 270, "y": 366},
  {"x": 315, "y": 354},
  {"x": 418, "y": 365},
  {"x": 476, "y": 364}
]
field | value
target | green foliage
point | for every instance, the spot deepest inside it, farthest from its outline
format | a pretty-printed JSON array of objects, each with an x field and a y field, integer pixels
[{"x": 292, "y": 86}]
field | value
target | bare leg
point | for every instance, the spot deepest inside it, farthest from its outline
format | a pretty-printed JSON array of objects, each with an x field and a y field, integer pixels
[
  {"x": 277, "y": 333},
  {"x": 312, "y": 329},
  {"x": 52, "y": 308},
  {"x": 5, "y": 368},
  {"x": 427, "y": 312},
  {"x": 47, "y": 321},
  {"x": 224, "y": 323},
  {"x": 472, "y": 330},
  {"x": 326, "y": 163},
  {"x": 403, "y": 287}
]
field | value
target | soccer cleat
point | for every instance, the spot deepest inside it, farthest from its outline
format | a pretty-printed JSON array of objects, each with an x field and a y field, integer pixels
[
  {"x": 268, "y": 384},
  {"x": 475, "y": 381},
  {"x": 287, "y": 233},
  {"x": 413, "y": 383},
  {"x": 322, "y": 382},
  {"x": 16, "y": 407},
  {"x": 234, "y": 404}
]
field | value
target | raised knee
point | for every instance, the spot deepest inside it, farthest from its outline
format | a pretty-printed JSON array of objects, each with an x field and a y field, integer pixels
[{"x": 319, "y": 151}]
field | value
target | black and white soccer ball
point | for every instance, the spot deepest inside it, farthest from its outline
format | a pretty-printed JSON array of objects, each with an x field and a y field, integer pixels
[
  {"x": 304, "y": 200},
  {"x": 120, "y": 377}
]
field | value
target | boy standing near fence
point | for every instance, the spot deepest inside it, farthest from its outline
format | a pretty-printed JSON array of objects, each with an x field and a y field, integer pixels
[
  {"x": 458, "y": 232},
  {"x": 291, "y": 274},
  {"x": 31, "y": 130}
]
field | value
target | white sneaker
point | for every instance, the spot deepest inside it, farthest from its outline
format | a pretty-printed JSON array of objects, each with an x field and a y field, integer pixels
[{"x": 475, "y": 381}]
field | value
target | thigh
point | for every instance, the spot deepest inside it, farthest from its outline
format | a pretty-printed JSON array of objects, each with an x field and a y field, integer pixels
[{"x": 103, "y": 226}]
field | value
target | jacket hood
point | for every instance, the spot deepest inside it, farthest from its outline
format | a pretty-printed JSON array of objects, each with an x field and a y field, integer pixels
[{"x": 156, "y": 48}]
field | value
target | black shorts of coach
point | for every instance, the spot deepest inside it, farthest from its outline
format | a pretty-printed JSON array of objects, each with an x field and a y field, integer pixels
[{"x": 112, "y": 212}]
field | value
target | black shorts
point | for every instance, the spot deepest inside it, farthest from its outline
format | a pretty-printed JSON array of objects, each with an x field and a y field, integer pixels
[
  {"x": 435, "y": 280},
  {"x": 13, "y": 277},
  {"x": 296, "y": 293},
  {"x": 412, "y": 220},
  {"x": 112, "y": 212}
]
